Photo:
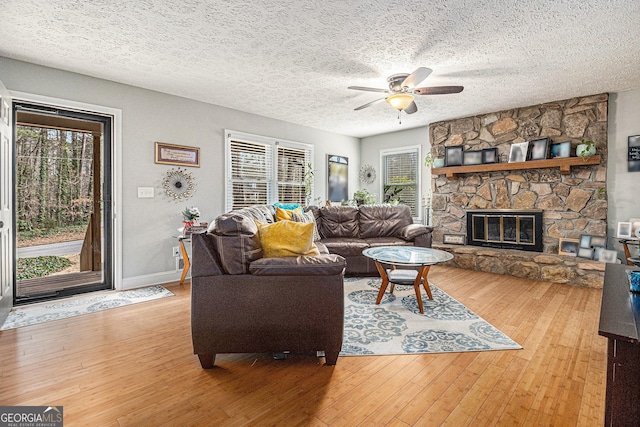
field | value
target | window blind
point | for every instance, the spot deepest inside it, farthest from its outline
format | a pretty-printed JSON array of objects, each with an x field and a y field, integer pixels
[
  {"x": 401, "y": 172},
  {"x": 250, "y": 174},
  {"x": 262, "y": 170},
  {"x": 291, "y": 168}
]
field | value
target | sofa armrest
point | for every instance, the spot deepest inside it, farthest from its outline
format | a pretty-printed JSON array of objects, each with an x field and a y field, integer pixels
[
  {"x": 319, "y": 265},
  {"x": 412, "y": 231},
  {"x": 204, "y": 259}
]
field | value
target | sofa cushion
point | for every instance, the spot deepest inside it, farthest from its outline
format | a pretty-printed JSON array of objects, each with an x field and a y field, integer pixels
[
  {"x": 307, "y": 217},
  {"x": 320, "y": 265},
  {"x": 321, "y": 248},
  {"x": 338, "y": 221},
  {"x": 287, "y": 238},
  {"x": 386, "y": 241},
  {"x": 237, "y": 252},
  {"x": 345, "y": 246},
  {"x": 235, "y": 223},
  {"x": 286, "y": 214},
  {"x": 383, "y": 220}
]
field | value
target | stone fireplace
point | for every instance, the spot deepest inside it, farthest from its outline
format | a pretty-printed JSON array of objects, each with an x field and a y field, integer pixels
[
  {"x": 572, "y": 202},
  {"x": 505, "y": 229}
]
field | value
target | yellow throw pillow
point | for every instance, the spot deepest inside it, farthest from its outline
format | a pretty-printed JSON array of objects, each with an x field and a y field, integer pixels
[
  {"x": 285, "y": 214},
  {"x": 286, "y": 238}
]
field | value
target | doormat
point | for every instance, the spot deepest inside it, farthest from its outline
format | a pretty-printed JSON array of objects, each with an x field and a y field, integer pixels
[
  {"x": 62, "y": 309},
  {"x": 396, "y": 326}
]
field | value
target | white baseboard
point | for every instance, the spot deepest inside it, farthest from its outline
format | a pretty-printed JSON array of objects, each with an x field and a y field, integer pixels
[{"x": 150, "y": 279}]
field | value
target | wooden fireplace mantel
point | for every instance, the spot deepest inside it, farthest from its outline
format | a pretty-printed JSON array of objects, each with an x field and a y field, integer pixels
[{"x": 565, "y": 164}]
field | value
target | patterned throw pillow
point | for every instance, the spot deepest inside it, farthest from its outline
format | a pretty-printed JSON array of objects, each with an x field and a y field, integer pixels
[
  {"x": 286, "y": 238},
  {"x": 287, "y": 206},
  {"x": 307, "y": 217},
  {"x": 285, "y": 214}
]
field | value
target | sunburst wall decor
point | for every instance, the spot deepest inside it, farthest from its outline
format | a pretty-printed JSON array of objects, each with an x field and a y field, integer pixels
[
  {"x": 178, "y": 184},
  {"x": 367, "y": 174}
]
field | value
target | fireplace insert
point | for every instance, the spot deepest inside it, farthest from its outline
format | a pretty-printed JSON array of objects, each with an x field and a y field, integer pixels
[{"x": 505, "y": 229}]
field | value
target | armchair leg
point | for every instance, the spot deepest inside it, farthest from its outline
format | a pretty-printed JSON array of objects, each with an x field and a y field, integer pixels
[
  {"x": 207, "y": 360},
  {"x": 331, "y": 357}
]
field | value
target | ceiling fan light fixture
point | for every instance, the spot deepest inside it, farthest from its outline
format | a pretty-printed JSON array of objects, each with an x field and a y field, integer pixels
[{"x": 400, "y": 101}]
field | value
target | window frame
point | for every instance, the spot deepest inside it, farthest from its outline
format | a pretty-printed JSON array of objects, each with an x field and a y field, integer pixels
[
  {"x": 417, "y": 149},
  {"x": 272, "y": 175}
]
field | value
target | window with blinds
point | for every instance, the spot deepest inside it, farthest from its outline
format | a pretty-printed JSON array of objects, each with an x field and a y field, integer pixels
[
  {"x": 250, "y": 169},
  {"x": 401, "y": 175},
  {"x": 291, "y": 167},
  {"x": 262, "y": 170}
]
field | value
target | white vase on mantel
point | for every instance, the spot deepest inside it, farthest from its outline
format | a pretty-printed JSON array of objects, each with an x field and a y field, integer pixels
[{"x": 583, "y": 150}]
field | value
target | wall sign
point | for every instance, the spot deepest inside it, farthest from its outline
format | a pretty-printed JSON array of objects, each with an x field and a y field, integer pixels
[{"x": 634, "y": 154}]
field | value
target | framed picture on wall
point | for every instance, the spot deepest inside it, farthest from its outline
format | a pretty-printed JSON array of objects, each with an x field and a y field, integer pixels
[
  {"x": 634, "y": 153},
  {"x": 178, "y": 155},
  {"x": 338, "y": 178}
]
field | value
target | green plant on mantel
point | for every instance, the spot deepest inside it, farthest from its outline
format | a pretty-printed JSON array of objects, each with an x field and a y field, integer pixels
[
  {"x": 428, "y": 160},
  {"x": 586, "y": 149}
]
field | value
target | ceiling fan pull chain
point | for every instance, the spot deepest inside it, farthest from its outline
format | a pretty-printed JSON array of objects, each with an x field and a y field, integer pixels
[{"x": 399, "y": 117}]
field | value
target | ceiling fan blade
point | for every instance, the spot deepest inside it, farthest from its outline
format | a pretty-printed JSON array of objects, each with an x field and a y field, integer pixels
[
  {"x": 437, "y": 90},
  {"x": 415, "y": 78},
  {"x": 369, "y": 104},
  {"x": 368, "y": 89},
  {"x": 412, "y": 108}
]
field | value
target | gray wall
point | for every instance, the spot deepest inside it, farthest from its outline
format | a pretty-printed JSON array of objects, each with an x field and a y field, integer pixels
[
  {"x": 148, "y": 116},
  {"x": 622, "y": 188},
  {"x": 370, "y": 148}
]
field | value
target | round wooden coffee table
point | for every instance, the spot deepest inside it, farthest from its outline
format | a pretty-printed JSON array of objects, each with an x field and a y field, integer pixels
[{"x": 407, "y": 265}]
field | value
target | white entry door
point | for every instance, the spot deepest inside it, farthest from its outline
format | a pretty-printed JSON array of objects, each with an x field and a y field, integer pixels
[{"x": 6, "y": 204}]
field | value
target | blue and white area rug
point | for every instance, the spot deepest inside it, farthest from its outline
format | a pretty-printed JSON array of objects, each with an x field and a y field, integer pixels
[
  {"x": 396, "y": 326},
  {"x": 61, "y": 309}
]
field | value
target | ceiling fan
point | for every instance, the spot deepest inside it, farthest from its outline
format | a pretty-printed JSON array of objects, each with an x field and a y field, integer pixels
[{"x": 402, "y": 88}]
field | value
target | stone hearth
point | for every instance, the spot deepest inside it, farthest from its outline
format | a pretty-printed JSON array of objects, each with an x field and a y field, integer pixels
[
  {"x": 573, "y": 204},
  {"x": 546, "y": 267}
]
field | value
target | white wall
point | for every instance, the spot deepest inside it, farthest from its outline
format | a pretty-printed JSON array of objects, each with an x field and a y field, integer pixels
[
  {"x": 148, "y": 116},
  {"x": 370, "y": 154},
  {"x": 622, "y": 186}
]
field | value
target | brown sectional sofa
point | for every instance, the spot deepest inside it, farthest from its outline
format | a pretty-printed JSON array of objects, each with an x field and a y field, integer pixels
[
  {"x": 244, "y": 303},
  {"x": 348, "y": 230}
]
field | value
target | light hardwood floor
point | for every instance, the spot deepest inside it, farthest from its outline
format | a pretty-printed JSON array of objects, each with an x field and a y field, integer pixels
[{"x": 133, "y": 366}]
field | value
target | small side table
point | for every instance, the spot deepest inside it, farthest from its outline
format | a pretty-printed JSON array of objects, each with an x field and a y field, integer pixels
[
  {"x": 625, "y": 243},
  {"x": 185, "y": 257}
]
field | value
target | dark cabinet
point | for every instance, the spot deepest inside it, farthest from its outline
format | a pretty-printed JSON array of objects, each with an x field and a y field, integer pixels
[{"x": 620, "y": 324}]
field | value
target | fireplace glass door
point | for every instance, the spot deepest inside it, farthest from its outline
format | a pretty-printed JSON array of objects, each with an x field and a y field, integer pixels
[{"x": 505, "y": 229}]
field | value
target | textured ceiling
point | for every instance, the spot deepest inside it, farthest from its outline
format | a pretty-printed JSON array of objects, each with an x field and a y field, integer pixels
[{"x": 293, "y": 60}]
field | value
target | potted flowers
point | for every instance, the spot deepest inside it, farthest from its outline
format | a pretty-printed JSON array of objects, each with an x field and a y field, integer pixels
[{"x": 190, "y": 216}]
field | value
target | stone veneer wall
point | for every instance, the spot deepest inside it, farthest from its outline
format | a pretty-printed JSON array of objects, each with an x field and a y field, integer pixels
[{"x": 573, "y": 204}]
